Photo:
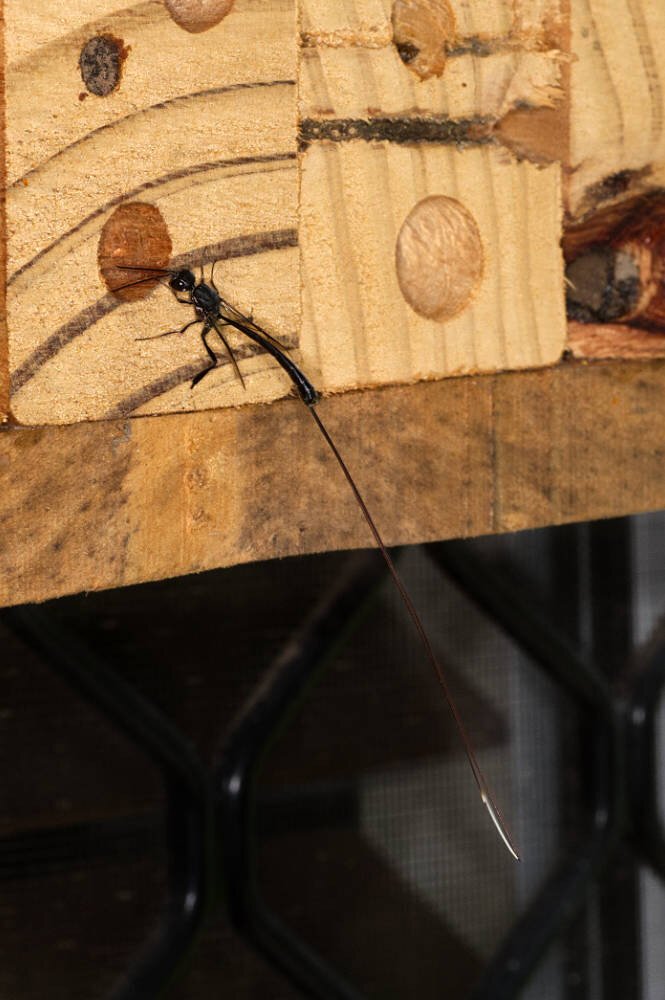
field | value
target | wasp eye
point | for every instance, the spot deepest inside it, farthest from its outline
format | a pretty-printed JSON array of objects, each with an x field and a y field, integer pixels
[{"x": 182, "y": 281}]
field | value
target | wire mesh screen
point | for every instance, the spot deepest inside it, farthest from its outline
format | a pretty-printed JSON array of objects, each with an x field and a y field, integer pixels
[
  {"x": 247, "y": 783},
  {"x": 413, "y": 864}
]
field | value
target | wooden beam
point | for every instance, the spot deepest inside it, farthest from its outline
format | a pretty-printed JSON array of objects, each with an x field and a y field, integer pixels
[
  {"x": 120, "y": 502},
  {"x": 200, "y": 126}
]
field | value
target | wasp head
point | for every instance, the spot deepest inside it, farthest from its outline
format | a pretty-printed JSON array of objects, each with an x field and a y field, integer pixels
[{"x": 182, "y": 281}]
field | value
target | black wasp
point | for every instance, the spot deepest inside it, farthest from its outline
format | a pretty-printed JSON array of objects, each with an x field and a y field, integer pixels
[{"x": 215, "y": 313}]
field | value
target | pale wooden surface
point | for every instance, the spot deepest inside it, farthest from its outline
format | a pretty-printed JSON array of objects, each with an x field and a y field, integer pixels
[
  {"x": 516, "y": 316},
  {"x": 617, "y": 95},
  {"x": 205, "y": 127},
  {"x": 501, "y": 56}
]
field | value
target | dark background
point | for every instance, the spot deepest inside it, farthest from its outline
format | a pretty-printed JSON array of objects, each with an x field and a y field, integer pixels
[{"x": 371, "y": 843}]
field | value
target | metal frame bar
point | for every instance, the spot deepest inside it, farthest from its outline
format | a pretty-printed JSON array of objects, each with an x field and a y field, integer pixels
[
  {"x": 189, "y": 795},
  {"x": 265, "y": 713},
  {"x": 641, "y": 716}
]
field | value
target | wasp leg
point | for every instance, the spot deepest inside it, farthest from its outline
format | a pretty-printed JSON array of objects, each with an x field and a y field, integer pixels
[
  {"x": 169, "y": 333},
  {"x": 218, "y": 325},
  {"x": 185, "y": 302},
  {"x": 211, "y": 354}
]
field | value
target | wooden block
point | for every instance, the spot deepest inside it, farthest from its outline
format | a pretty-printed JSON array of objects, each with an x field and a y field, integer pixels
[
  {"x": 355, "y": 200},
  {"x": 200, "y": 126},
  {"x": 376, "y": 154},
  {"x": 388, "y": 205},
  {"x": 617, "y": 100},
  {"x": 492, "y": 59}
]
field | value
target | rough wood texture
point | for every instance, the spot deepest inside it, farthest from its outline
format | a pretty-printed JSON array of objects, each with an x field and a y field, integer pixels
[
  {"x": 615, "y": 280},
  {"x": 350, "y": 278},
  {"x": 617, "y": 95},
  {"x": 203, "y": 127},
  {"x": 113, "y": 503},
  {"x": 356, "y": 195},
  {"x": 614, "y": 340},
  {"x": 208, "y": 134}
]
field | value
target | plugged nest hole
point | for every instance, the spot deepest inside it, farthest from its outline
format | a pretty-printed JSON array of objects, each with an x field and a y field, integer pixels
[
  {"x": 198, "y": 15},
  {"x": 422, "y": 31},
  {"x": 134, "y": 236},
  {"x": 439, "y": 258}
]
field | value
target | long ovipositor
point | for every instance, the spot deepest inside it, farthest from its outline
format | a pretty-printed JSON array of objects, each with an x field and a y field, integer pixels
[{"x": 214, "y": 313}]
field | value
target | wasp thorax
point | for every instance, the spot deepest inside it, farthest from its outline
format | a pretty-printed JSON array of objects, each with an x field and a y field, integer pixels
[{"x": 206, "y": 299}]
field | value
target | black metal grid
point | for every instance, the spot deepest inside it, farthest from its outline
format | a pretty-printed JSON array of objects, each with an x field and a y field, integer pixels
[{"x": 213, "y": 815}]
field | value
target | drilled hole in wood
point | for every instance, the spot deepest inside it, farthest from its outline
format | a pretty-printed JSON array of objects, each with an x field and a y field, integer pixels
[
  {"x": 136, "y": 235},
  {"x": 198, "y": 15},
  {"x": 616, "y": 265},
  {"x": 422, "y": 29},
  {"x": 101, "y": 61},
  {"x": 439, "y": 257}
]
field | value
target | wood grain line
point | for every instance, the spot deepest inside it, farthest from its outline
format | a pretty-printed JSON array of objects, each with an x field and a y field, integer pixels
[
  {"x": 151, "y": 185},
  {"x": 142, "y": 112},
  {"x": 160, "y": 386},
  {"x": 434, "y": 129},
  {"x": 239, "y": 246},
  {"x": 650, "y": 64},
  {"x": 616, "y": 101},
  {"x": 146, "y": 11}
]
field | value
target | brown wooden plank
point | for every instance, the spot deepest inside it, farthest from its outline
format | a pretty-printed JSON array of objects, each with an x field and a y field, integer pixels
[{"x": 108, "y": 504}]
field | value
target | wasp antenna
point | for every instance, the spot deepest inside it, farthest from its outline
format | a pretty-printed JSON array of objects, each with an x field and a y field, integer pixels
[
  {"x": 139, "y": 281},
  {"x": 143, "y": 267}
]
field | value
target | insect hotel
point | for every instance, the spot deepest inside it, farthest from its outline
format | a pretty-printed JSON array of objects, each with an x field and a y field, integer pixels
[{"x": 440, "y": 226}]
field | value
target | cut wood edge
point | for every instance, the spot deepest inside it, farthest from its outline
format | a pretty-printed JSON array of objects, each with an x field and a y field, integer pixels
[
  {"x": 614, "y": 341},
  {"x": 4, "y": 340}
]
